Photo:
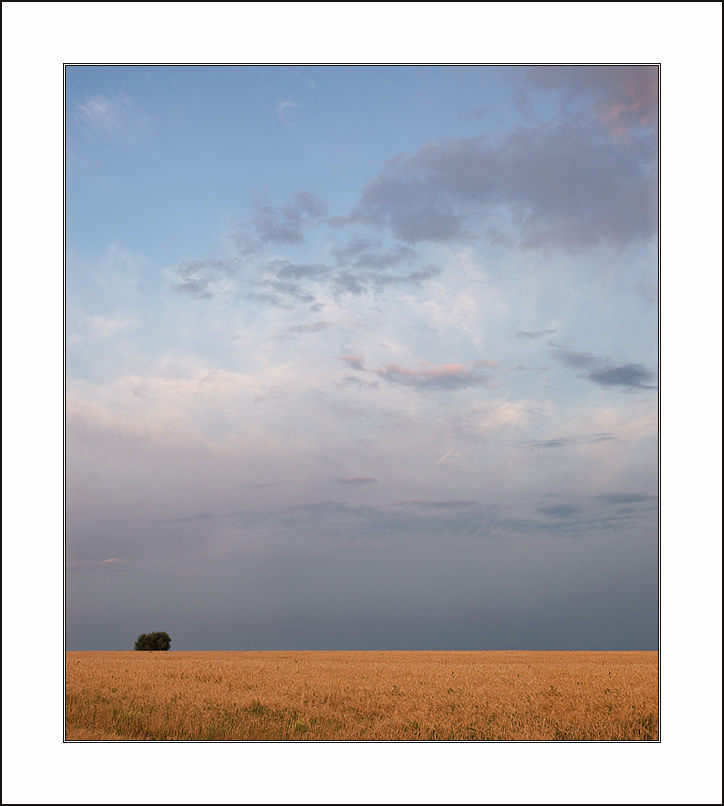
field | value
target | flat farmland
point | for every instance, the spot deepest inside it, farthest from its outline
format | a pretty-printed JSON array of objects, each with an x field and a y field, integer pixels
[{"x": 362, "y": 696}]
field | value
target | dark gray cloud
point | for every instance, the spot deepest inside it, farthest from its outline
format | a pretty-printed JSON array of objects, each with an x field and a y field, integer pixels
[
  {"x": 565, "y": 185},
  {"x": 560, "y": 442},
  {"x": 355, "y": 480},
  {"x": 625, "y": 376},
  {"x": 628, "y": 376},
  {"x": 602, "y": 436},
  {"x": 296, "y": 279}
]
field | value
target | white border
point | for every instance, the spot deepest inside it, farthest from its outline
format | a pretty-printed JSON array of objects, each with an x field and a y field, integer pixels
[{"x": 37, "y": 39}]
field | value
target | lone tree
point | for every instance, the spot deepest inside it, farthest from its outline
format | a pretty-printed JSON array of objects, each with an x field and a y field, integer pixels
[{"x": 153, "y": 642}]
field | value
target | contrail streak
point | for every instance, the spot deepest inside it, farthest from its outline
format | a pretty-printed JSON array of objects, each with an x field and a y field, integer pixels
[{"x": 441, "y": 459}]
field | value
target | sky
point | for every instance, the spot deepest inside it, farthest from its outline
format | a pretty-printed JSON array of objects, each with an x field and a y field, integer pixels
[
  {"x": 362, "y": 357},
  {"x": 42, "y": 536}
]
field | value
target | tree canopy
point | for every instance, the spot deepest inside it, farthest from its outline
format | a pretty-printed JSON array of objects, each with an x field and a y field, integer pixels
[{"x": 153, "y": 642}]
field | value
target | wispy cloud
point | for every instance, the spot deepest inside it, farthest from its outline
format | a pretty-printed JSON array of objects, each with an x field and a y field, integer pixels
[
  {"x": 105, "y": 326},
  {"x": 428, "y": 376},
  {"x": 572, "y": 358},
  {"x": 628, "y": 376},
  {"x": 312, "y": 327},
  {"x": 533, "y": 334},
  {"x": 558, "y": 442},
  {"x": 116, "y": 117},
  {"x": 603, "y": 373},
  {"x": 202, "y": 279},
  {"x": 278, "y": 226}
]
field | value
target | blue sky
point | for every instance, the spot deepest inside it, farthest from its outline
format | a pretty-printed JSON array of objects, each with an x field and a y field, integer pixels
[{"x": 362, "y": 357}]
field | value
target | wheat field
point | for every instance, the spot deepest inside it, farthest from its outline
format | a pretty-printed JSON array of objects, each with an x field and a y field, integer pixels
[{"x": 382, "y": 696}]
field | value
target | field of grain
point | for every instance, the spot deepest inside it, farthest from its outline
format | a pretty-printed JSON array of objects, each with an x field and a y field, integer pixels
[{"x": 401, "y": 696}]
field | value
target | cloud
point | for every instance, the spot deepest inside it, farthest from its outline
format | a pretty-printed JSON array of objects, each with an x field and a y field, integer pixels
[
  {"x": 360, "y": 283},
  {"x": 560, "y": 442},
  {"x": 559, "y": 511},
  {"x": 361, "y": 266},
  {"x": 314, "y": 327},
  {"x": 279, "y": 226},
  {"x": 604, "y": 436},
  {"x": 365, "y": 254},
  {"x": 422, "y": 504},
  {"x": 624, "y": 97},
  {"x": 560, "y": 185},
  {"x": 475, "y": 114},
  {"x": 114, "y": 117},
  {"x": 628, "y": 376},
  {"x": 574, "y": 359},
  {"x": 533, "y": 334},
  {"x": 197, "y": 287},
  {"x": 286, "y": 270},
  {"x": 202, "y": 279},
  {"x": 427, "y": 376},
  {"x": 626, "y": 498},
  {"x": 287, "y": 278},
  {"x": 356, "y": 480},
  {"x": 105, "y": 326},
  {"x": 354, "y": 361},
  {"x": 445, "y": 376},
  {"x": 285, "y": 292}
]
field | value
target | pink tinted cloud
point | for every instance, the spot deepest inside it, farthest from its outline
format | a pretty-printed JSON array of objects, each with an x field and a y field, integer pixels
[
  {"x": 624, "y": 96},
  {"x": 444, "y": 376},
  {"x": 429, "y": 376}
]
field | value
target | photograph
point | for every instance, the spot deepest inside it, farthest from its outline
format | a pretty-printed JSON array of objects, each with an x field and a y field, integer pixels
[{"x": 361, "y": 402}]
